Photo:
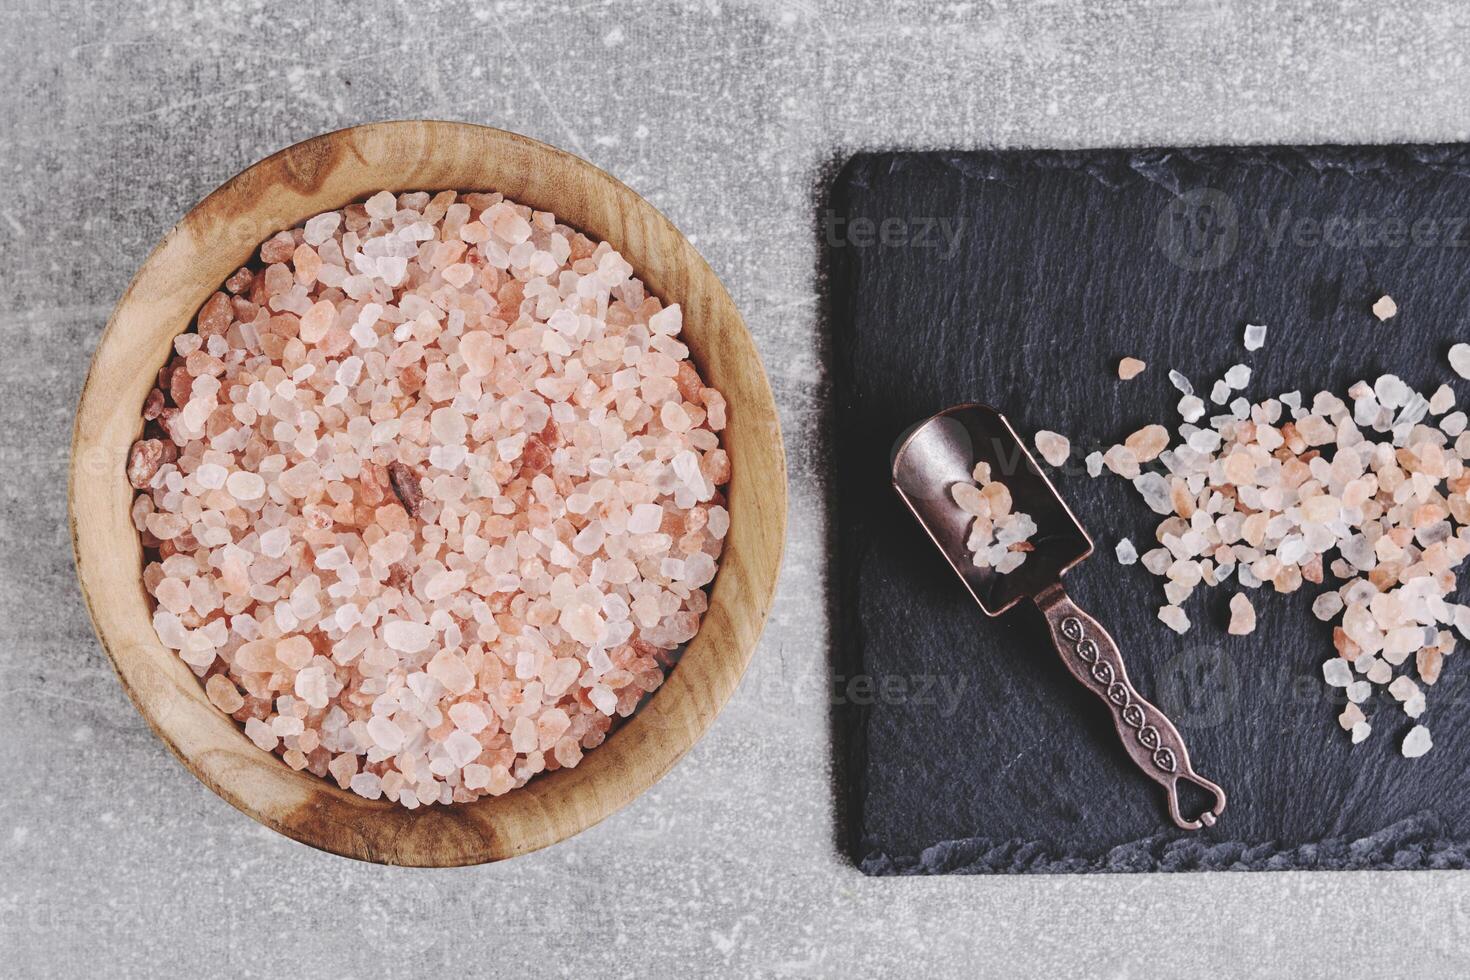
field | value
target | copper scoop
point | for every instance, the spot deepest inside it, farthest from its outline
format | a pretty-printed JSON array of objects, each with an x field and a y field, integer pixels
[{"x": 942, "y": 451}]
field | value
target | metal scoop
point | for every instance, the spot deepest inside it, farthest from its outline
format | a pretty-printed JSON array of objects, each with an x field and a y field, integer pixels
[{"x": 942, "y": 451}]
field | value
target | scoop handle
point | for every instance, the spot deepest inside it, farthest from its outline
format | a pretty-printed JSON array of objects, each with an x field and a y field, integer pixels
[{"x": 1149, "y": 737}]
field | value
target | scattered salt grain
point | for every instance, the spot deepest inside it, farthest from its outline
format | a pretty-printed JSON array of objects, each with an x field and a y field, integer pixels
[
  {"x": 1417, "y": 742},
  {"x": 1238, "y": 377},
  {"x": 1460, "y": 359},
  {"x": 1130, "y": 368},
  {"x": 1053, "y": 448},
  {"x": 1179, "y": 381},
  {"x": 1385, "y": 307},
  {"x": 1174, "y": 618},
  {"x": 1255, "y": 336},
  {"x": 1242, "y": 615},
  {"x": 1337, "y": 672},
  {"x": 1127, "y": 554}
]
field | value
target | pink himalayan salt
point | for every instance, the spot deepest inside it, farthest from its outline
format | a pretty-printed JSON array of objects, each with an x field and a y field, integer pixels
[{"x": 429, "y": 494}]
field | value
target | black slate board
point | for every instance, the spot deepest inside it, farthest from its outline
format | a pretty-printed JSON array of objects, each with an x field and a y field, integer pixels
[{"x": 970, "y": 748}]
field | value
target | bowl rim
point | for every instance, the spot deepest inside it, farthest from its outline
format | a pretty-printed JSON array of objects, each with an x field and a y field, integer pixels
[{"x": 552, "y": 806}]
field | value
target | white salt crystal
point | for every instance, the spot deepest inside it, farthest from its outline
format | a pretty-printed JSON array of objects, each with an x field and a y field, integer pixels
[
  {"x": 406, "y": 636},
  {"x": 245, "y": 486},
  {"x": 1385, "y": 308},
  {"x": 211, "y": 476},
  {"x": 1390, "y": 391},
  {"x": 1453, "y": 424},
  {"x": 1327, "y": 605},
  {"x": 1220, "y": 393},
  {"x": 1094, "y": 464},
  {"x": 1126, "y": 553},
  {"x": 645, "y": 519},
  {"x": 321, "y": 227},
  {"x": 1181, "y": 382},
  {"x": 1238, "y": 377},
  {"x": 1191, "y": 408},
  {"x": 1174, "y": 618},
  {"x": 1255, "y": 336},
  {"x": 1337, "y": 672},
  {"x": 385, "y": 733},
  {"x": 1361, "y": 731},
  {"x": 1417, "y": 742}
]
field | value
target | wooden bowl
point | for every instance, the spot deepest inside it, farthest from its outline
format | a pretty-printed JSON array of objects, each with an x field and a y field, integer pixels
[{"x": 220, "y": 235}]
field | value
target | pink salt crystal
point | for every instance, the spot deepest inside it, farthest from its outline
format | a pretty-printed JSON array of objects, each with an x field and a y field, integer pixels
[
  {"x": 294, "y": 651},
  {"x": 509, "y": 226},
  {"x": 463, "y": 748},
  {"x": 223, "y": 694},
  {"x": 477, "y": 347},
  {"x": 1053, "y": 448},
  {"x": 317, "y": 321},
  {"x": 449, "y": 670},
  {"x": 173, "y": 595},
  {"x": 1129, "y": 368},
  {"x": 1148, "y": 442},
  {"x": 385, "y": 733},
  {"x": 1242, "y": 615},
  {"x": 343, "y": 769},
  {"x": 470, "y": 717},
  {"x": 459, "y": 274},
  {"x": 523, "y": 735}
]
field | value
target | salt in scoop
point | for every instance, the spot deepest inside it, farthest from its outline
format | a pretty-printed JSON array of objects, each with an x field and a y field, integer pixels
[{"x": 934, "y": 455}]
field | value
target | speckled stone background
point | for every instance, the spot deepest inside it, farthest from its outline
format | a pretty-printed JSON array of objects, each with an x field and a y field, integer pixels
[{"x": 732, "y": 118}]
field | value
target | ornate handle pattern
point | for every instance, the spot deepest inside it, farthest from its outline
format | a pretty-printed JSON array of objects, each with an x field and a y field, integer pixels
[{"x": 1150, "y": 738}]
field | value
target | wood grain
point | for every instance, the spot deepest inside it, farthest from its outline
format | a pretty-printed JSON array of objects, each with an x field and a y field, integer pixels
[{"x": 218, "y": 236}]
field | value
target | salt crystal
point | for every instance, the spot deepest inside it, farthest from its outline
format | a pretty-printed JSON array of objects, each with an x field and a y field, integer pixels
[
  {"x": 1255, "y": 336},
  {"x": 1242, "y": 615},
  {"x": 1220, "y": 393},
  {"x": 1238, "y": 377},
  {"x": 1053, "y": 448},
  {"x": 1126, "y": 553},
  {"x": 320, "y": 228},
  {"x": 407, "y": 637},
  {"x": 385, "y": 733},
  {"x": 645, "y": 519},
  {"x": 1327, "y": 605},
  {"x": 1130, "y": 368},
  {"x": 1385, "y": 307},
  {"x": 1094, "y": 464},
  {"x": 1174, "y": 618},
  {"x": 245, "y": 486},
  {"x": 1337, "y": 672},
  {"x": 1179, "y": 381},
  {"x": 1417, "y": 742}
]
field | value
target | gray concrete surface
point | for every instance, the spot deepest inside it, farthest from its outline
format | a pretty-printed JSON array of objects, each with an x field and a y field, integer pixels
[{"x": 727, "y": 115}]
